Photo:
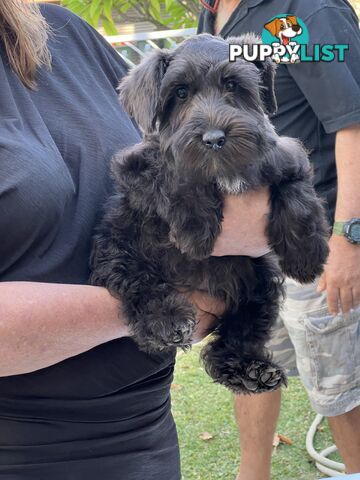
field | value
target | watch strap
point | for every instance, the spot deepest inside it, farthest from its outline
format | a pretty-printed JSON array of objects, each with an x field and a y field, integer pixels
[{"x": 339, "y": 228}]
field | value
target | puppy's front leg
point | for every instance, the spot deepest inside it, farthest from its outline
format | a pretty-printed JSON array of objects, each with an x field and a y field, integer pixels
[
  {"x": 297, "y": 228},
  {"x": 194, "y": 217}
]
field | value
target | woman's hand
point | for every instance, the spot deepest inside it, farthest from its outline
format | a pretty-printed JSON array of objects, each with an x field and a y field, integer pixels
[
  {"x": 244, "y": 225},
  {"x": 208, "y": 309}
]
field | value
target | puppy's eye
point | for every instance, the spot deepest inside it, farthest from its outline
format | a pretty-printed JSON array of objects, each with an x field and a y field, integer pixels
[
  {"x": 230, "y": 85},
  {"x": 282, "y": 27},
  {"x": 182, "y": 92}
]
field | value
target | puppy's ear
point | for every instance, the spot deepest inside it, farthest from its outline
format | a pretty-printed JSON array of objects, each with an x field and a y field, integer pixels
[
  {"x": 272, "y": 27},
  {"x": 292, "y": 19},
  {"x": 267, "y": 70},
  {"x": 139, "y": 90}
]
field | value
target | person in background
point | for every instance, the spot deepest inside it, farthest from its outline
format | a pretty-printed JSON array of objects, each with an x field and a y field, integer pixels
[
  {"x": 78, "y": 400},
  {"x": 318, "y": 334}
]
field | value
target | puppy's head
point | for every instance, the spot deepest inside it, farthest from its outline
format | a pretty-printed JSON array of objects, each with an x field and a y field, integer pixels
[{"x": 210, "y": 114}]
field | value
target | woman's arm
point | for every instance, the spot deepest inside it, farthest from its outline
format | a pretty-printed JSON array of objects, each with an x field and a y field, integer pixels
[{"x": 42, "y": 323}]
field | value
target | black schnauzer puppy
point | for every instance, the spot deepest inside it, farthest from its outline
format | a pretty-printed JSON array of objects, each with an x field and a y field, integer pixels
[{"x": 207, "y": 134}]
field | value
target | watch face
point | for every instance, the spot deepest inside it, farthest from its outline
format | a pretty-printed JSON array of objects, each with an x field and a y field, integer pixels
[{"x": 354, "y": 231}]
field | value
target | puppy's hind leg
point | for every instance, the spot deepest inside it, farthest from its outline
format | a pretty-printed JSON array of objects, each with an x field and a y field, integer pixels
[
  {"x": 159, "y": 316},
  {"x": 232, "y": 359},
  {"x": 236, "y": 356}
]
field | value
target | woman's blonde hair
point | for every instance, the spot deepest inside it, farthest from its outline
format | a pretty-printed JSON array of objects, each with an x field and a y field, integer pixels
[{"x": 24, "y": 33}]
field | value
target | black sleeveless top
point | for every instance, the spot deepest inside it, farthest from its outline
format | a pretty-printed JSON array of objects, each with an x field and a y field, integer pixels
[{"x": 104, "y": 414}]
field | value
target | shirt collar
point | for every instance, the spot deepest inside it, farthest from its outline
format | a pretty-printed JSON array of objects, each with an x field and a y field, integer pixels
[{"x": 238, "y": 14}]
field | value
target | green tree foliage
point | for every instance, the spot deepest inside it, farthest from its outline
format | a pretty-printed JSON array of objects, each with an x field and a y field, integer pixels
[{"x": 167, "y": 14}]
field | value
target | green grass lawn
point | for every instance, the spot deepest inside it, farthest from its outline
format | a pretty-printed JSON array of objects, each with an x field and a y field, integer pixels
[{"x": 200, "y": 406}]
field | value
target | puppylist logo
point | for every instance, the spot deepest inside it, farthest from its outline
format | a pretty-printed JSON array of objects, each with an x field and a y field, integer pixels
[{"x": 285, "y": 39}]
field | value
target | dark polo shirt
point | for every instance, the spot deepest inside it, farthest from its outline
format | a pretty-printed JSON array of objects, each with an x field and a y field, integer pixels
[
  {"x": 103, "y": 414},
  {"x": 315, "y": 100}
]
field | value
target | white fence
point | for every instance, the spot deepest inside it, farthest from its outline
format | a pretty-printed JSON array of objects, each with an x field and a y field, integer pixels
[{"x": 132, "y": 48}]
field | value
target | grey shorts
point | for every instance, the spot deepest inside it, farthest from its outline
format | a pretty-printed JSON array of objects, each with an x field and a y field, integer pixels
[{"x": 322, "y": 349}]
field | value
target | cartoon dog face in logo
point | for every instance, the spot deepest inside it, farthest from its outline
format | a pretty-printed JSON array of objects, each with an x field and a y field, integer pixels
[{"x": 285, "y": 28}]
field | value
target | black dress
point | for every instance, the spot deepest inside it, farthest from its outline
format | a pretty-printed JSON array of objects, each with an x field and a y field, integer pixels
[{"x": 104, "y": 414}]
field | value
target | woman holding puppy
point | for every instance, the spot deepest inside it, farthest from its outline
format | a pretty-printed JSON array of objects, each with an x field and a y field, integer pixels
[{"x": 78, "y": 400}]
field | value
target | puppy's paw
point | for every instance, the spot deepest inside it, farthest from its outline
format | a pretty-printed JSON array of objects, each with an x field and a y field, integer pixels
[
  {"x": 244, "y": 376},
  {"x": 171, "y": 324},
  {"x": 261, "y": 376},
  {"x": 307, "y": 263}
]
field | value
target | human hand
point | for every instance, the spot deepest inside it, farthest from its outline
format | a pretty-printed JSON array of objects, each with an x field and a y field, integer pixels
[
  {"x": 244, "y": 225},
  {"x": 341, "y": 277},
  {"x": 208, "y": 310}
]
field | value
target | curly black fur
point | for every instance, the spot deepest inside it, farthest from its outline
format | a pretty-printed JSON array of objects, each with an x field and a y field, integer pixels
[{"x": 159, "y": 231}]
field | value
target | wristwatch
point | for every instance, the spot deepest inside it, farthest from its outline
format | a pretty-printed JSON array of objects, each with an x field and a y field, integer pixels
[{"x": 350, "y": 230}]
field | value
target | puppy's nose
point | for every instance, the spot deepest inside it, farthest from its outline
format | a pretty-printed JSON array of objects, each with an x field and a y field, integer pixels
[
  {"x": 296, "y": 28},
  {"x": 214, "y": 139}
]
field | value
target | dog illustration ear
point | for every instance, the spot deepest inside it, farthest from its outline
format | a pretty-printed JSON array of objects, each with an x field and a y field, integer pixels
[
  {"x": 139, "y": 90},
  {"x": 267, "y": 70},
  {"x": 292, "y": 19},
  {"x": 272, "y": 27}
]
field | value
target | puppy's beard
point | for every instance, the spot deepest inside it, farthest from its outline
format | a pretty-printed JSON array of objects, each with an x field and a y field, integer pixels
[
  {"x": 230, "y": 165},
  {"x": 232, "y": 186},
  {"x": 231, "y": 168}
]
